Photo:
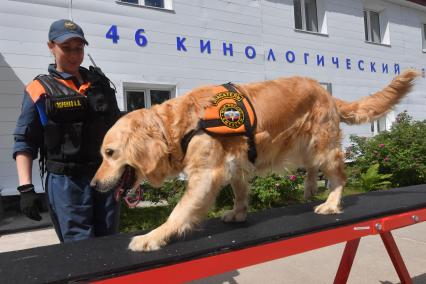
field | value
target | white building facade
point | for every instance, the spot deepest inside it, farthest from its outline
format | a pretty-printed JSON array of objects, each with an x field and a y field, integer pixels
[{"x": 153, "y": 50}]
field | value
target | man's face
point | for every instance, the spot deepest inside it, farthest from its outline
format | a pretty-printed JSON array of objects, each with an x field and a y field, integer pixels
[{"x": 68, "y": 55}]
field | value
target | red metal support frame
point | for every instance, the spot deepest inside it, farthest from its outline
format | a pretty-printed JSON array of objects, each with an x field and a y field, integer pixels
[
  {"x": 227, "y": 261},
  {"x": 396, "y": 258},
  {"x": 346, "y": 262}
]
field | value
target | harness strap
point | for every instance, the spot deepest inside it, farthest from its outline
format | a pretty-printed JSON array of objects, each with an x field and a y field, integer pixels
[
  {"x": 251, "y": 152},
  {"x": 187, "y": 138}
]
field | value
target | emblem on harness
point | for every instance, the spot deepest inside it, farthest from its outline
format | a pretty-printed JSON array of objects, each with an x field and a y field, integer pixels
[
  {"x": 231, "y": 115},
  {"x": 227, "y": 95}
]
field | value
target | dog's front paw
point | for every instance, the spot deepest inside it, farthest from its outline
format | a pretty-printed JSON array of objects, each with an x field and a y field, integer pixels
[
  {"x": 327, "y": 209},
  {"x": 146, "y": 243},
  {"x": 233, "y": 216}
]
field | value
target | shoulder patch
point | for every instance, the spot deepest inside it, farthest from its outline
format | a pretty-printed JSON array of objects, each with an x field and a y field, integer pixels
[{"x": 35, "y": 89}]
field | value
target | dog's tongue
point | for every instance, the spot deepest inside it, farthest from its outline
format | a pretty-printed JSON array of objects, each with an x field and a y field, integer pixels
[{"x": 120, "y": 188}]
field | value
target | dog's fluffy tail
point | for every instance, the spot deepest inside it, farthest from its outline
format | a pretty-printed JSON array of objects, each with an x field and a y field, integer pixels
[{"x": 376, "y": 105}]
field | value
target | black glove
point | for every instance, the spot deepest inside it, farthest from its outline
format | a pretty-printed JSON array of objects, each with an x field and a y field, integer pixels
[{"x": 30, "y": 202}]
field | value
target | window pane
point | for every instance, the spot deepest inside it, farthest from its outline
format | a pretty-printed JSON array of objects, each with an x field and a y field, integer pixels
[
  {"x": 135, "y": 100},
  {"x": 375, "y": 27},
  {"x": 297, "y": 14},
  {"x": 366, "y": 25},
  {"x": 158, "y": 96},
  {"x": 424, "y": 36},
  {"x": 327, "y": 86},
  {"x": 311, "y": 15},
  {"x": 424, "y": 31},
  {"x": 154, "y": 3},
  {"x": 130, "y": 1}
]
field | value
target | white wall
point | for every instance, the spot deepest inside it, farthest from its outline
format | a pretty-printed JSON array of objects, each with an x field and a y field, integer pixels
[{"x": 261, "y": 24}]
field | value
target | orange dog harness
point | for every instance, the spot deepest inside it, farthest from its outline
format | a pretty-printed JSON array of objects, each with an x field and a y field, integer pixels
[{"x": 231, "y": 114}]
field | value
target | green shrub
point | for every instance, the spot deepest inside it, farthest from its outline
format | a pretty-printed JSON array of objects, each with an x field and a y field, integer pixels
[
  {"x": 276, "y": 190},
  {"x": 400, "y": 152},
  {"x": 373, "y": 180}
]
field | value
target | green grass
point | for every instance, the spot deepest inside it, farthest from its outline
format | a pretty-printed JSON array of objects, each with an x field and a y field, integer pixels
[{"x": 145, "y": 218}]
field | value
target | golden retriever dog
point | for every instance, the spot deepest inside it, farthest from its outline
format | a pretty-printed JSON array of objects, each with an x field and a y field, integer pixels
[{"x": 297, "y": 126}]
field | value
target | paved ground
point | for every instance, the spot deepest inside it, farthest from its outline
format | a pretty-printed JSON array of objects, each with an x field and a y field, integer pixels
[{"x": 371, "y": 265}]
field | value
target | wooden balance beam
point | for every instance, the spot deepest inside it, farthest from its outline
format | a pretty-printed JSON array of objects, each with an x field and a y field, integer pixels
[{"x": 219, "y": 247}]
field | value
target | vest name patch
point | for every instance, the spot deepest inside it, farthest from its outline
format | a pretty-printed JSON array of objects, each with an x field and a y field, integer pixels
[{"x": 68, "y": 104}]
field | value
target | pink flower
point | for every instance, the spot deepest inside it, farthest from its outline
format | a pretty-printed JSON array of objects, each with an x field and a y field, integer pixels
[
  {"x": 381, "y": 145},
  {"x": 292, "y": 177},
  {"x": 386, "y": 159}
]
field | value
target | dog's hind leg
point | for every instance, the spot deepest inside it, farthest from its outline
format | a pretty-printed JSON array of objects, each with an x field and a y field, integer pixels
[
  {"x": 334, "y": 169},
  {"x": 240, "y": 188},
  {"x": 310, "y": 182}
]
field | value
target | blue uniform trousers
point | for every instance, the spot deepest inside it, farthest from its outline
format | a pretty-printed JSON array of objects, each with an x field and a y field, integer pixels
[{"x": 78, "y": 212}]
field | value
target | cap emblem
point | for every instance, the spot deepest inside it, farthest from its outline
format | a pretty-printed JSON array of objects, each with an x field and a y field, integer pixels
[{"x": 70, "y": 25}]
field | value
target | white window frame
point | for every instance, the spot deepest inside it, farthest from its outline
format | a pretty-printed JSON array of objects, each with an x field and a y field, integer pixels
[
  {"x": 321, "y": 18},
  {"x": 168, "y": 4},
  {"x": 146, "y": 88}
]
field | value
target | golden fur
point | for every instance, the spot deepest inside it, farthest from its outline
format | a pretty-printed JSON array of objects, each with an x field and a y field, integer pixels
[{"x": 298, "y": 126}]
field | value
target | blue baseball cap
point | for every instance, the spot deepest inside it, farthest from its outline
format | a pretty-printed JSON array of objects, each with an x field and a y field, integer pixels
[{"x": 63, "y": 30}]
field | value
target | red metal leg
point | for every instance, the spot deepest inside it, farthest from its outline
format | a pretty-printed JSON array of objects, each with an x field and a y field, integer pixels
[
  {"x": 346, "y": 261},
  {"x": 396, "y": 257}
]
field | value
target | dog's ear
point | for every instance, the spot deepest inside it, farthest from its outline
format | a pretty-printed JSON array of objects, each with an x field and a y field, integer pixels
[{"x": 149, "y": 154}]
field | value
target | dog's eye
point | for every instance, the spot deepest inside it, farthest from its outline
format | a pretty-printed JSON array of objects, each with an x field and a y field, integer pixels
[{"x": 109, "y": 152}]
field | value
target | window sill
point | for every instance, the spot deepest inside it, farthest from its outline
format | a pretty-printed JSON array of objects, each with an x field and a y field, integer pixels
[
  {"x": 424, "y": 50},
  {"x": 375, "y": 43},
  {"x": 309, "y": 32},
  {"x": 143, "y": 6}
]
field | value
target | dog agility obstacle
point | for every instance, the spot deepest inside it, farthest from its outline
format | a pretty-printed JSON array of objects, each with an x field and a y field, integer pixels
[{"x": 221, "y": 247}]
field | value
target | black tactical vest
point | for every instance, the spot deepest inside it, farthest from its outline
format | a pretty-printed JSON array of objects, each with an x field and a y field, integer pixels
[{"x": 76, "y": 124}]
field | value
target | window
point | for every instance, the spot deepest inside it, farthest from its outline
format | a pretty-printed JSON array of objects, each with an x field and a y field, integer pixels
[
  {"x": 139, "y": 96},
  {"x": 372, "y": 26},
  {"x": 166, "y": 4},
  {"x": 383, "y": 123},
  {"x": 424, "y": 37},
  {"x": 306, "y": 15},
  {"x": 327, "y": 86}
]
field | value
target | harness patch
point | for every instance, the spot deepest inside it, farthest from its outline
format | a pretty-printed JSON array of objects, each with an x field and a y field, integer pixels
[
  {"x": 231, "y": 115},
  {"x": 227, "y": 95}
]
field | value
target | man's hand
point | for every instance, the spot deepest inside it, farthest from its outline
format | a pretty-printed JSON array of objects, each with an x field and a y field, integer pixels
[{"x": 30, "y": 202}]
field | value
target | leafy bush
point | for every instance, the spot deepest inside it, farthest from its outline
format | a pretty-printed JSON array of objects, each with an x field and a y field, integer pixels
[
  {"x": 372, "y": 180},
  {"x": 276, "y": 190},
  {"x": 400, "y": 152}
]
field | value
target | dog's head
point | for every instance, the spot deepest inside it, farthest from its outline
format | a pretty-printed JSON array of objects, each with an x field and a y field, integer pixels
[{"x": 133, "y": 150}]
